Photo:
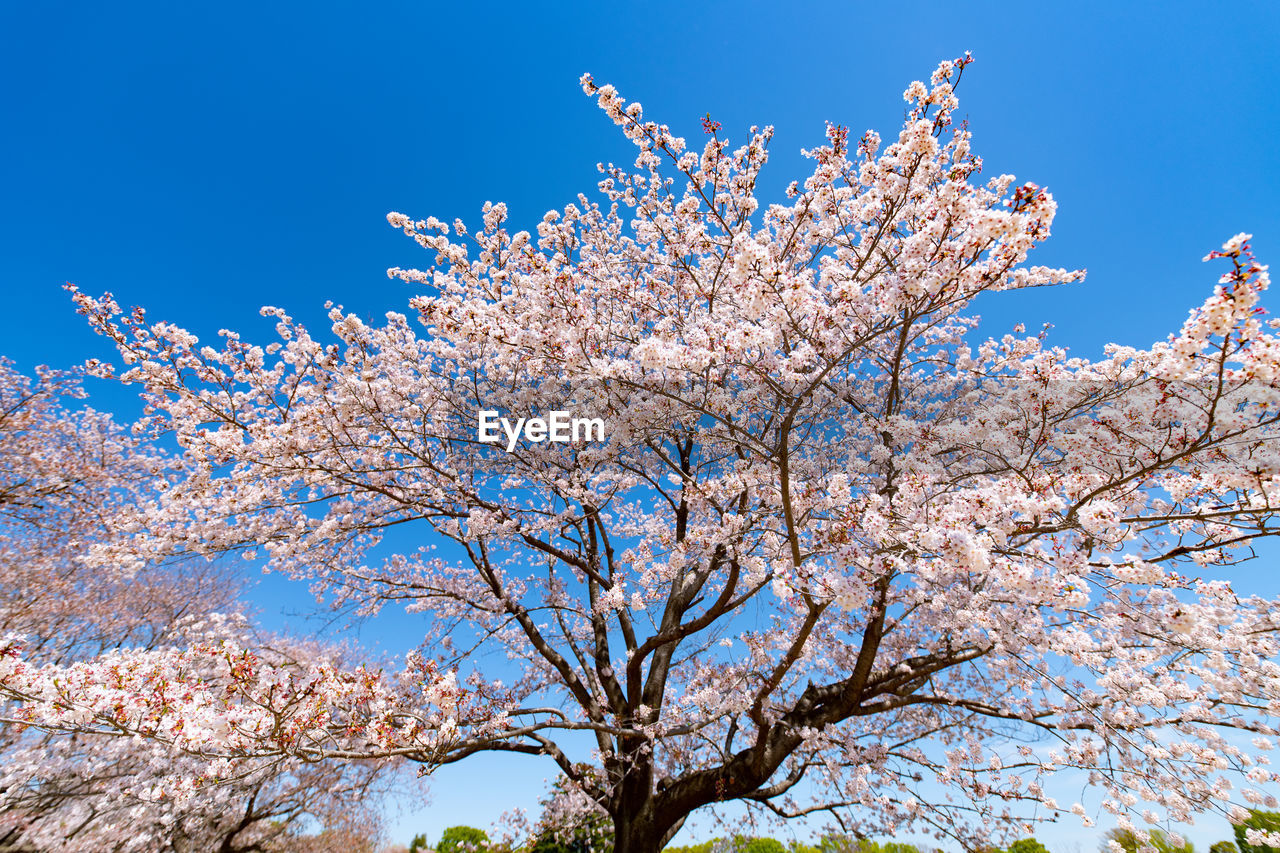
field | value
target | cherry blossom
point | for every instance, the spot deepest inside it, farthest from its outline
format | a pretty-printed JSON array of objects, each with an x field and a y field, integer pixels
[
  {"x": 1029, "y": 553},
  {"x": 84, "y": 656}
]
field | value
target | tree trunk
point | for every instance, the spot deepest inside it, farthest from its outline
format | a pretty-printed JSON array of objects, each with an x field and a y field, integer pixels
[
  {"x": 636, "y": 834},
  {"x": 645, "y": 829}
]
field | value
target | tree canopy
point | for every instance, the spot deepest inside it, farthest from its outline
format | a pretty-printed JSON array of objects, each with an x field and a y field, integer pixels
[{"x": 832, "y": 543}]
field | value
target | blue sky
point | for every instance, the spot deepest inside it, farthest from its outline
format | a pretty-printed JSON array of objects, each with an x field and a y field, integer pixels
[{"x": 205, "y": 159}]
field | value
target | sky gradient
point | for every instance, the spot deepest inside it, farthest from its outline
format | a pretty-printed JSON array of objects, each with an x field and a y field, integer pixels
[{"x": 203, "y": 160}]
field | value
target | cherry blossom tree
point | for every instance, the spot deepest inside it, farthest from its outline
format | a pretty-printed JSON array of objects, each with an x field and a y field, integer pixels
[
  {"x": 65, "y": 475},
  {"x": 837, "y": 553},
  {"x": 97, "y": 790}
]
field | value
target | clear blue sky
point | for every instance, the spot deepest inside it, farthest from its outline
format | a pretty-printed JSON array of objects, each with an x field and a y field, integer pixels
[{"x": 205, "y": 159}]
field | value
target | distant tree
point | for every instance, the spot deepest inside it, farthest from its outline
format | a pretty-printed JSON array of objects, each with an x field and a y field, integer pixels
[
  {"x": 1223, "y": 847},
  {"x": 839, "y": 843},
  {"x": 571, "y": 822},
  {"x": 1130, "y": 841},
  {"x": 746, "y": 844},
  {"x": 835, "y": 842},
  {"x": 462, "y": 839},
  {"x": 703, "y": 847},
  {"x": 1027, "y": 845},
  {"x": 418, "y": 844},
  {"x": 67, "y": 473},
  {"x": 1258, "y": 821},
  {"x": 341, "y": 840}
]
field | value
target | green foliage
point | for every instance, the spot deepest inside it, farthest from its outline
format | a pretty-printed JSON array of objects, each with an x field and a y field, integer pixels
[
  {"x": 832, "y": 843},
  {"x": 1266, "y": 821},
  {"x": 1223, "y": 847},
  {"x": 745, "y": 844},
  {"x": 704, "y": 847},
  {"x": 836, "y": 843},
  {"x": 896, "y": 847},
  {"x": 418, "y": 844},
  {"x": 1027, "y": 845},
  {"x": 758, "y": 845},
  {"x": 461, "y": 839},
  {"x": 1129, "y": 842}
]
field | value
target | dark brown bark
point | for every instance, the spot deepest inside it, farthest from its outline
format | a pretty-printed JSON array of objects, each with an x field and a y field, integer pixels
[{"x": 636, "y": 835}]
